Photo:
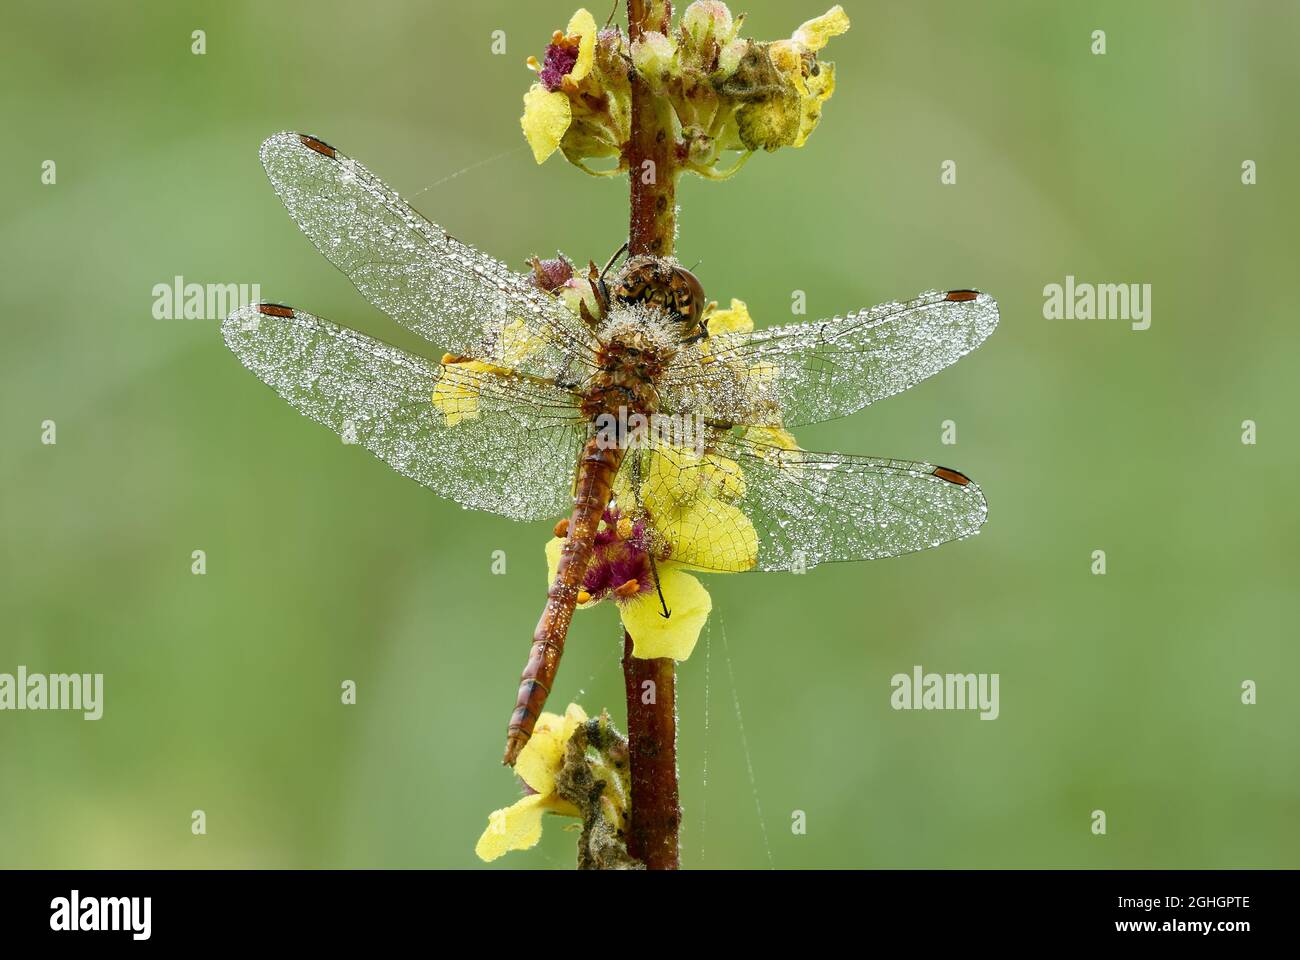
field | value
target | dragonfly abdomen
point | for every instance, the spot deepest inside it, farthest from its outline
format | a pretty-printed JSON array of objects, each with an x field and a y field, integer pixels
[{"x": 596, "y": 469}]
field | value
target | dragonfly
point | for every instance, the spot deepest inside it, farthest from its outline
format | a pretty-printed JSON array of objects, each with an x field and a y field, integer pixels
[{"x": 532, "y": 411}]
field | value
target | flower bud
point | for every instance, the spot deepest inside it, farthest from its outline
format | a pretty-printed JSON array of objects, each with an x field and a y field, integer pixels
[
  {"x": 652, "y": 55},
  {"x": 706, "y": 20},
  {"x": 552, "y": 274}
]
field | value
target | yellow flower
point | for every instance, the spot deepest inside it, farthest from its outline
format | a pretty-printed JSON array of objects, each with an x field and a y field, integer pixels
[
  {"x": 777, "y": 437},
  {"x": 460, "y": 383},
  {"x": 456, "y": 392},
  {"x": 546, "y": 119},
  {"x": 787, "y": 116},
  {"x": 548, "y": 111},
  {"x": 814, "y": 34},
  {"x": 691, "y": 499},
  {"x": 519, "y": 826},
  {"x": 819, "y": 90},
  {"x": 582, "y": 25},
  {"x": 711, "y": 535},
  {"x": 757, "y": 379},
  {"x": 736, "y": 319},
  {"x": 518, "y": 342},
  {"x": 655, "y": 636},
  {"x": 620, "y": 569}
]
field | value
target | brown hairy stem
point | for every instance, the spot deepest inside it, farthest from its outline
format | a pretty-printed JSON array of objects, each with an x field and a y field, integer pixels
[
  {"x": 653, "y": 225},
  {"x": 651, "y": 727},
  {"x": 652, "y": 749}
]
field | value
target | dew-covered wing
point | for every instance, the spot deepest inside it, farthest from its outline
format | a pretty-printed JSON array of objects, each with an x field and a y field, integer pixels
[
  {"x": 809, "y": 372},
  {"x": 755, "y": 504},
  {"x": 483, "y": 437},
  {"x": 459, "y": 299}
]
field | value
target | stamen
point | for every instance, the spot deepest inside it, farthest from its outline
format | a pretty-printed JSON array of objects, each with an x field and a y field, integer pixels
[
  {"x": 624, "y": 528},
  {"x": 583, "y": 596},
  {"x": 629, "y": 589},
  {"x": 562, "y": 528}
]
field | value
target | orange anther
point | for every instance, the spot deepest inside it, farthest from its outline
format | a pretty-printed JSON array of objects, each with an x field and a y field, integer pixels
[
  {"x": 583, "y": 596},
  {"x": 629, "y": 589},
  {"x": 562, "y": 528}
]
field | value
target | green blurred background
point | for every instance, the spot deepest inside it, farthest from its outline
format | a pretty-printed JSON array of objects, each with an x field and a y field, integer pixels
[{"x": 1118, "y": 692}]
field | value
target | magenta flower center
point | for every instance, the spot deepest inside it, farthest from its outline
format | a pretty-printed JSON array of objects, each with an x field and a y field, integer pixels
[
  {"x": 559, "y": 62},
  {"x": 615, "y": 561}
]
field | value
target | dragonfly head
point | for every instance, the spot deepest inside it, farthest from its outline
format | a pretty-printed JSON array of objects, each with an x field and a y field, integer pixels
[
  {"x": 665, "y": 284},
  {"x": 637, "y": 342}
]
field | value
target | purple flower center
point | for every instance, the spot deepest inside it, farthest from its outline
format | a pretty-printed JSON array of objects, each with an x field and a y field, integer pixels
[
  {"x": 615, "y": 561},
  {"x": 560, "y": 59}
]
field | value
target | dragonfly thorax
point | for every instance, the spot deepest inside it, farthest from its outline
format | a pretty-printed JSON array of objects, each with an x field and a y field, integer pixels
[{"x": 637, "y": 342}]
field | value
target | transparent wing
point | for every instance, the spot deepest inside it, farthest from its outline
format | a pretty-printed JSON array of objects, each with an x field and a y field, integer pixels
[
  {"x": 752, "y": 504},
  {"x": 809, "y": 372},
  {"x": 457, "y": 298},
  {"x": 478, "y": 435}
]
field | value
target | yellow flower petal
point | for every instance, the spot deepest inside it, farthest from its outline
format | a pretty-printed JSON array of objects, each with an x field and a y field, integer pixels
[
  {"x": 573, "y": 716},
  {"x": 542, "y": 757},
  {"x": 543, "y": 754},
  {"x": 787, "y": 57},
  {"x": 723, "y": 478},
  {"x": 554, "y": 547},
  {"x": 677, "y": 477},
  {"x": 774, "y": 122},
  {"x": 519, "y": 826},
  {"x": 517, "y": 342},
  {"x": 689, "y": 499},
  {"x": 456, "y": 392},
  {"x": 672, "y": 478},
  {"x": 773, "y": 437},
  {"x": 734, "y": 320},
  {"x": 516, "y": 827},
  {"x": 711, "y": 535},
  {"x": 583, "y": 26},
  {"x": 547, "y": 115},
  {"x": 820, "y": 89},
  {"x": 654, "y": 635},
  {"x": 814, "y": 34}
]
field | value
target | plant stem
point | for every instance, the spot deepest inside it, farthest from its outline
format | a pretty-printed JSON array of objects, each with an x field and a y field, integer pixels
[
  {"x": 651, "y": 727},
  {"x": 652, "y": 148},
  {"x": 652, "y": 751}
]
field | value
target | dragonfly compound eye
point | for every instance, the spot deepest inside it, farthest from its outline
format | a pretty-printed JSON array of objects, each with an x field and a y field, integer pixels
[
  {"x": 688, "y": 296},
  {"x": 663, "y": 284}
]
